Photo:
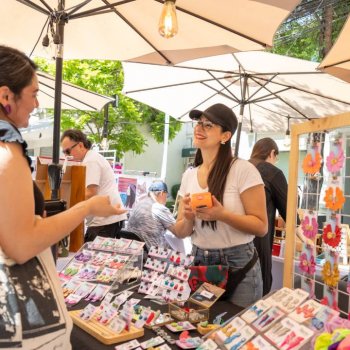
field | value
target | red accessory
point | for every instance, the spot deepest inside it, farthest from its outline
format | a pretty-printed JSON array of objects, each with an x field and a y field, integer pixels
[
  {"x": 8, "y": 109},
  {"x": 330, "y": 237}
]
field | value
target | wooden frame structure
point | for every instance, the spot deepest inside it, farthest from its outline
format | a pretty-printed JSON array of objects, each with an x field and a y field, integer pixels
[
  {"x": 72, "y": 190},
  {"x": 315, "y": 125}
]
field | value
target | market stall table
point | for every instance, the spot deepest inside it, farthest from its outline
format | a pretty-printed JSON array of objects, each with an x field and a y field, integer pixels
[{"x": 82, "y": 340}]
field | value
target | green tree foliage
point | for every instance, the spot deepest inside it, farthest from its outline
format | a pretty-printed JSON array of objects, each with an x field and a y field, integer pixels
[
  {"x": 106, "y": 78},
  {"x": 311, "y": 28}
]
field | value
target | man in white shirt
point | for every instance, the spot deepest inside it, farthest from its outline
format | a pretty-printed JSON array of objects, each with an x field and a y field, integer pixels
[{"x": 100, "y": 180}]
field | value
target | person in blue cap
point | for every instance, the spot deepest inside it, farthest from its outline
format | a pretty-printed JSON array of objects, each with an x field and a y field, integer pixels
[{"x": 150, "y": 218}]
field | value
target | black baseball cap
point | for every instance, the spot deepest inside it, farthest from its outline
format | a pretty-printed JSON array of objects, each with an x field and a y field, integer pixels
[{"x": 218, "y": 114}]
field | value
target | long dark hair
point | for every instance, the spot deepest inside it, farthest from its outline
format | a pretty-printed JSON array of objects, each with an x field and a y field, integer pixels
[
  {"x": 17, "y": 70},
  {"x": 262, "y": 149},
  {"x": 218, "y": 174},
  {"x": 77, "y": 136}
]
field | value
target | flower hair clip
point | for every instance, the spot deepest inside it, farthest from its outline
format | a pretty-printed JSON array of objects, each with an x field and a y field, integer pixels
[
  {"x": 309, "y": 226},
  {"x": 330, "y": 276},
  {"x": 334, "y": 198},
  {"x": 307, "y": 265},
  {"x": 331, "y": 236},
  {"x": 335, "y": 160},
  {"x": 312, "y": 161}
]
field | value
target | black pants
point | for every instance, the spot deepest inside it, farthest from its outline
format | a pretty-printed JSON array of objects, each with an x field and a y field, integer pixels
[{"x": 111, "y": 231}]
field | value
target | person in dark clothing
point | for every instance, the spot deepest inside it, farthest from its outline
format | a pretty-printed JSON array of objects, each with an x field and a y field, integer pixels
[{"x": 264, "y": 156}]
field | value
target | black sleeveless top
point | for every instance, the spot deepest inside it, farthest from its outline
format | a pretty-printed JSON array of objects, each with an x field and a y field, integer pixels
[{"x": 9, "y": 133}]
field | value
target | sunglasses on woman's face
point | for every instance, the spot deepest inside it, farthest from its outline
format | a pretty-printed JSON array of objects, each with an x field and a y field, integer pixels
[
  {"x": 204, "y": 124},
  {"x": 68, "y": 150}
]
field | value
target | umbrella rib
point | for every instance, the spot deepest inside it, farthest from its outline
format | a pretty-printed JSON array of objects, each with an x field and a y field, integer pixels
[
  {"x": 77, "y": 87},
  {"x": 113, "y": 9},
  {"x": 267, "y": 97},
  {"x": 37, "y": 7},
  {"x": 280, "y": 114},
  {"x": 66, "y": 103},
  {"x": 334, "y": 64},
  {"x": 220, "y": 92},
  {"x": 219, "y": 25},
  {"x": 96, "y": 11},
  {"x": 219, "y": 81},
  {"x": 261, "y": 86},
  {"x": 78, "y": 7},
  {"x": 306, "y": 91}
]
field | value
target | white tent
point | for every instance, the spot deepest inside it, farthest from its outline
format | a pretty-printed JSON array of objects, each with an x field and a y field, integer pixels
[{"x": 268, "y": 90}]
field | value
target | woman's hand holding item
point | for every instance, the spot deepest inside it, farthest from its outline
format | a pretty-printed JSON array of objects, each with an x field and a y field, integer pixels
[
  {"x": 188, "y": 213},
  {"x": 211, "y": 214}
]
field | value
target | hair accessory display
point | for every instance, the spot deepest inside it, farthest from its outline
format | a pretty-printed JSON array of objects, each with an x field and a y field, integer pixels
[
  {"x": 334, "y": 198},
  {"x": 331, "y": 235},
  {"x": 330, "y": 274},
  {"x": 309, "y": 226},
  {"x": 336, "y": 158},
  {"x": 312, "y": 161},
  {"x": 307, "y": 264}
]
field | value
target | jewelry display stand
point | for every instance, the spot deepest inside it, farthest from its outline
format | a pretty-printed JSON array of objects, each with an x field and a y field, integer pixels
[
  {"x": 102, "y": 333},
  {"x": 326, "y": 265}
]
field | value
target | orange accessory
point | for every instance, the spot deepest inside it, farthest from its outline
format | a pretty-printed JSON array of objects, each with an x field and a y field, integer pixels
[
  {"x": 310, "y": 165},
  {"x": 334, "y": 201},
  {"x": 201, "y": 200}
]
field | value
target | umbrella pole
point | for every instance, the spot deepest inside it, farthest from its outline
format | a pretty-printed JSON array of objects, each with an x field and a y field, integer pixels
[
  {"x": 55, "y": 169},
  {"x": 241, "y": 110}
]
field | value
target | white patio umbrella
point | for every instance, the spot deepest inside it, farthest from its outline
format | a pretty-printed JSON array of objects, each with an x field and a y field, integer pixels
[
  {"x": 125, "y": 29},
  {"x": 266, "y": 90},
  {"x": 337, "y": 61},
  {"x": 73, "y": 96}
]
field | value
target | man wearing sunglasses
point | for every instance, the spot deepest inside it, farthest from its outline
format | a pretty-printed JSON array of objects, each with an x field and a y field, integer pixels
[{"x": 99, "y": 180}]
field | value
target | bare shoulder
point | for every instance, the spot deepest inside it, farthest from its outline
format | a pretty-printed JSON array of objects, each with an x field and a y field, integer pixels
[{"x": 12, "y": 159}]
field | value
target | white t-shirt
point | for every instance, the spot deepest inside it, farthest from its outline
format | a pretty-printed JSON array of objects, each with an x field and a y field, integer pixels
[
  {"x": 242, "y": 176},
  {"x": 99, "y": 172}
]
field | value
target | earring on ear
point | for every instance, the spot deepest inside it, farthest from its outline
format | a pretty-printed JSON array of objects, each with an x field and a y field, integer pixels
[
  {"x": 8, "y": 109},
  {"x": 223, "y": 142}
]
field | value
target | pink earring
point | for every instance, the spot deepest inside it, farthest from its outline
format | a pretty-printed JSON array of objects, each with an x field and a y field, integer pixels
[{"x": 8, "y": 109}]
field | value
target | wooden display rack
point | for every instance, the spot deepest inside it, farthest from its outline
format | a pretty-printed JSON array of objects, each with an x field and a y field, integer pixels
[
  {"x": 102, "y": 333},
  {"x": 315, "y": 125},
  {"x": 72, "y": 190}
]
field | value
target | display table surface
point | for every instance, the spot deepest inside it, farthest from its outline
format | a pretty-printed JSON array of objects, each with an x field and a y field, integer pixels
[{"x": 83, "y": 341}]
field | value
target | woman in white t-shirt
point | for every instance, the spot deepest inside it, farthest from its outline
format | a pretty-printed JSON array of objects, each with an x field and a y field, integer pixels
[{"x": 225, "y": 232}]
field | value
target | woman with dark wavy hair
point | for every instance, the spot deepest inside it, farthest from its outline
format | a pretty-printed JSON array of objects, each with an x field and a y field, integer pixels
[
  {"x": 264, "y": 157},
  {"x": 25, "y": 238},
  {"x": 224, "y": 233}
]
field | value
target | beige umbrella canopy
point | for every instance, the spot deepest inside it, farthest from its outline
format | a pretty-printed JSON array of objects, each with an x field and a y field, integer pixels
[
  {"x": 73, "y": 96},
  {"x": 124, "y": 29},
  {"x": 267, "y": 90},
  {"x": 337, "y": 61}
]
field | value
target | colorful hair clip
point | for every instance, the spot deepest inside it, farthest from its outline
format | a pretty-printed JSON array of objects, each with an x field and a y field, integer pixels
[
  {"x": 309, "y": 227},
  {"x": 335, "y": 160},
  {"x": 307, "y": 265},
  {"x": 331, "y": 237},
  {"x": 330, "y": 276},
  {"x": 334, "y": 198},
  {"x": 312, "y": 165}
]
